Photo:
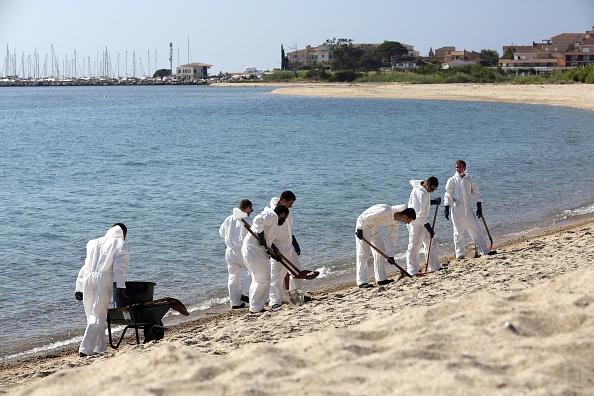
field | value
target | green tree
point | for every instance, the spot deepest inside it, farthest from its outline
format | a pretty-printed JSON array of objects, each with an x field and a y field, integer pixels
[
  {"x": 590, "y": 77},
  {"x": 385, "y": 51},
  {"x": 295, "y": 64},
  {"x": 162, "y": 73},
  {"x": 344, "y": 54},
  {"x": 367, "y": 62},
  {"x": 284, "y": 59},
  {"x": 346, "y": 57},
  {"x": 570, "y": 48},
  {"x": 509, "y": 53},
  {"x": 491, "y": 56},
  {"x": 334, "y": 43}
]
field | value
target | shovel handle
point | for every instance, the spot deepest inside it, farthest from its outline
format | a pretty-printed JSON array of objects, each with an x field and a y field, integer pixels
[
  {"x": 431, "y": 239},
  {"x": 284, "y": 261},
  {"x": 488, "y": 233},
  {"x": 384, "y": 255}
]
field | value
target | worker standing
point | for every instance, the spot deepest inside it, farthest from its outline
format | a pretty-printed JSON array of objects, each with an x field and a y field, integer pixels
[
  {"x": 289, "y": 247},
  {"x": 233, "y": 233},
  {"x": 461, "y": 189},
  {"x": 420, "y": 230}
]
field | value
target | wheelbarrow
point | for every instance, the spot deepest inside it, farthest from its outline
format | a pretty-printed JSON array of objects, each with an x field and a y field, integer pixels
[{"x": 144, "y": 316}]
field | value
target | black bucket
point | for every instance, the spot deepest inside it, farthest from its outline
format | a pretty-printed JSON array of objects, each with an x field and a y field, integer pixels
[{"x": 138, "y": 292}]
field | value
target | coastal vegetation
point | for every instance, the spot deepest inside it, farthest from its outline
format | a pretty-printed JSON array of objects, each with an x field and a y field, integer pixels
[
  {"x": 434, "y": 74},
  {"x": 351, "y": 63}
]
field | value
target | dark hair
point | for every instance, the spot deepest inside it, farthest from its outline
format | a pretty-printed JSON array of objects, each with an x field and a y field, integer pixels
[
  {"x": 122, "y": 226},
  {"x": 433, "y": 181},
  {"x": 280, "y": 209},
  {"x": 461, "y": 162},
  {"x": 288, "y": 196},
  {"x": 410, "y": 213},
  {"x": 245, "y": 203}
]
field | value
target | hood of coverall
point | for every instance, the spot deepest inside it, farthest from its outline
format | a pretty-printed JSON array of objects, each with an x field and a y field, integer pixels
[
  {"x": 274, "y": 201},
  {"x": 418, "y": 184},
  {"x": 239, "y": 214},
  {"x": 397, "y": 209},
  {"x": 115, "y": 232}
]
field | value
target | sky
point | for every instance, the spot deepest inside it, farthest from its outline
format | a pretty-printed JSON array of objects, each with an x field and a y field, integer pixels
[{"x": 233, "y": 35}]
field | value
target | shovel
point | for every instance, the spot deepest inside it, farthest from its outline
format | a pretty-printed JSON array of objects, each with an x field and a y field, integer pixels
[
  {"x": 488, "y": 233},
  {"x": 402, "y": 270},
  {"x": 304, "y": 274},
  {"x": 425, "y": 272}
]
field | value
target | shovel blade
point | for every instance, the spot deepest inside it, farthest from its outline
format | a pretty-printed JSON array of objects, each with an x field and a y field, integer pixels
[
  {"x": 424, "y": 273},
  {"x": 305, "y": 274}
]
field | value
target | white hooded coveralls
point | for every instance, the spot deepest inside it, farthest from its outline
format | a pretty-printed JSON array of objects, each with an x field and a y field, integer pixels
[
  {"x": 458, "y": 196},
  {"x": 257, "y": 259},
  {"x": 418, "y": 236},
  {"x": 233, "y": 232},
  {"x": 107, "y": 257},
  {"x": 284, "y": 243},
  {"x": 371, "y": 221}
]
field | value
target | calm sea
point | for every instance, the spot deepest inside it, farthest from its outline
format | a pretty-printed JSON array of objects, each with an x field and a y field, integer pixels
[{"x": 172, "y": 162}]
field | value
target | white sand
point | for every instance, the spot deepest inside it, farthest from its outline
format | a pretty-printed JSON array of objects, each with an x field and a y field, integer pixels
[
  {"x": 520, "y": 322},
  {"x": 572, "y": 95}
]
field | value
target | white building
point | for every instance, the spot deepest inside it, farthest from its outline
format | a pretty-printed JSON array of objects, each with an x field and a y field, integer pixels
[
  {"x": 193, "y": 71},
  {"x": 252, "y": 71}
]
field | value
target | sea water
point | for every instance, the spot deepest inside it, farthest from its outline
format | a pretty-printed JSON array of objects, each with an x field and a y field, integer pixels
[{"x": 172, "y": 162}]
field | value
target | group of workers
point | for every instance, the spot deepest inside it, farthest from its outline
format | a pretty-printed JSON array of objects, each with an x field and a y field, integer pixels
[
  {"x": 259, "y": 247},
  {"x": 461, "y": 190}
]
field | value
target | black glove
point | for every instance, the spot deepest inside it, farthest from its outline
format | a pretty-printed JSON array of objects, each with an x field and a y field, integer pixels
[
  {"x": 436, "y": 201},
  {"x": 446, "y": 211},
  {"x": 296, "y": 246},
  {"x": 479, "y": 210},
  {"x": 276, "y": 256},
  {"x": 78, "y": 296},
  {"x": 121, "y": 294},
  {"x": 359, "y": 233},
  {"x": 429, "y": 229},
  {"x": 261, "y": 239},
  {"x": 391, "y": 260}
]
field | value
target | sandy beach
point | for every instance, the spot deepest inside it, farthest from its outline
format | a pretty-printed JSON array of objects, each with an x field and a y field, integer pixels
[
  {"x": 519, "y": 322},
  {"x": 572, "y": 95}
]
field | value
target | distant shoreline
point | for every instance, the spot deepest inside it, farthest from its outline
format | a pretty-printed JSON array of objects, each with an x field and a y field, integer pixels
[
  {"x": 571, "y": 95},
  {"x": 575, "y": 95}
]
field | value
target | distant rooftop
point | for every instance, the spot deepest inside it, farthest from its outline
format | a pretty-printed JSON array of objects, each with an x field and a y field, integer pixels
[{"x": 196, "y": 64}]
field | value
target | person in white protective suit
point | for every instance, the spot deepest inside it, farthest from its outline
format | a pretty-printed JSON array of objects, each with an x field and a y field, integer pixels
[
  {"x": 107, "y": 257},
  {"x": 233, "y": 232},
  {"x": 256, "y": 257},
  {"x": 461, "y": 189},
  {"x": 369, "y": 226},
  {"x": 289, "y": 247},
  {"x": 420, "y": 230}
]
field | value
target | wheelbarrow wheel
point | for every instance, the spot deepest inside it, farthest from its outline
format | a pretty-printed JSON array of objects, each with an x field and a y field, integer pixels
[{"x": 154, "y": 333}]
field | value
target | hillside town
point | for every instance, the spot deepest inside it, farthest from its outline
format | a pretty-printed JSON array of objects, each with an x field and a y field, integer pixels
[{"x": 560, "y": 52}]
